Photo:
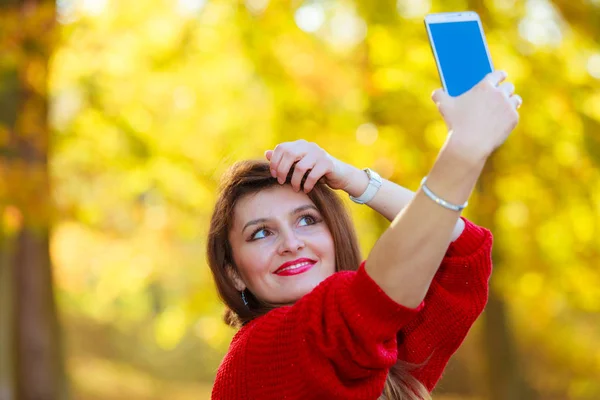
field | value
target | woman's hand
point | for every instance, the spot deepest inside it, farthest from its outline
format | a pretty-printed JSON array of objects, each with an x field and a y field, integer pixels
[
  {"x": 481, "y": 119},
  {"x": 310, "y": 160}
]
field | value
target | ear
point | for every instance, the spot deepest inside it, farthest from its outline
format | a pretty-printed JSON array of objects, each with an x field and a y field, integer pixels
[{"x": 235, "y": 278}]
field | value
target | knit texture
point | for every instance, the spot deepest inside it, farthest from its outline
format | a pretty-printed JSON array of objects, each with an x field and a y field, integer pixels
[{"x": 340, "y": 340}]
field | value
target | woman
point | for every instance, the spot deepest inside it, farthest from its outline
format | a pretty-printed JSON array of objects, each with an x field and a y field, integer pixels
[{"x": 316, "y": 323}]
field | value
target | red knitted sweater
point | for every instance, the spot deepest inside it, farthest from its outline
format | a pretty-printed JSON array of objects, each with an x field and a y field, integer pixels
[{"x": 339, "y": 340}]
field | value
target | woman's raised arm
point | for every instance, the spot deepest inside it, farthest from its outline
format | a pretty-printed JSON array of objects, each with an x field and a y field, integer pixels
[{"x": 405, "y": 259}]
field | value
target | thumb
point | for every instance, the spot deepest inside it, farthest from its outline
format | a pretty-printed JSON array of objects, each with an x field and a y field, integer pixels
[
  {"x": 269, "y": 154},
  {"x": 439, "y": 96}
]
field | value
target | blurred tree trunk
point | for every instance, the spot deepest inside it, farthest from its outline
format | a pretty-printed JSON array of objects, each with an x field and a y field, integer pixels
[
  {"x": 505, "y": 377},
  {"x": 6, "y": 318},
  {"x": 504, "y": 372},
  {"x": 37, "y": 372}
]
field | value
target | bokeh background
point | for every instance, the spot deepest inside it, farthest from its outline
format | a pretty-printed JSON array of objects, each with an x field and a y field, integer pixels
[{"x": 117, "y": 119}]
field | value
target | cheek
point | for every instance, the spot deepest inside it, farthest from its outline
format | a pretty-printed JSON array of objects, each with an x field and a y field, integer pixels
[
  {"x": 252, "y": 259},
  {"x": 323, "y": 244}
]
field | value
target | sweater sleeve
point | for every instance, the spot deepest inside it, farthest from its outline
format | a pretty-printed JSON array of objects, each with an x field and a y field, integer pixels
[
  {"x": 338, "y": 341},
  {"x": 456, "y": 297}
]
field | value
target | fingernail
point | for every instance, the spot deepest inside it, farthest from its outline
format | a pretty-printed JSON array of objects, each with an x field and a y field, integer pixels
[{"x": 273, "y": 173}]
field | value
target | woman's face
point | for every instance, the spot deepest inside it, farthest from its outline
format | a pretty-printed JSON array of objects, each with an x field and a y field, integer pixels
[{"x": 281, "y": 245}]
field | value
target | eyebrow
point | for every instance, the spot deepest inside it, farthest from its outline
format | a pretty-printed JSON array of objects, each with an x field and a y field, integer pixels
[{"x": 295, "y": 211}]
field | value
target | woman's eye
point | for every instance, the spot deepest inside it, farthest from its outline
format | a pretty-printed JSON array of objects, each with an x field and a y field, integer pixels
[
  {"x": 308, "y": 218},
  {"x": 263, "y": 232},
  {"x": 259, "y": 234}
]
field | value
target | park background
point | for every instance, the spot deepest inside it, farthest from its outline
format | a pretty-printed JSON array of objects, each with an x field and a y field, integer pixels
[{"x": 117, "y": 119}]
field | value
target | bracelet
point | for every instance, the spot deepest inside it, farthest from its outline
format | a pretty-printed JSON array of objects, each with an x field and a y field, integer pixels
[{"x": 439, "y": 200}]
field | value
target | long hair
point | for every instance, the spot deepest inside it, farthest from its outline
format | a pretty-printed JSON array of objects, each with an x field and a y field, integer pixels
[{"x": 250, "y": 177}]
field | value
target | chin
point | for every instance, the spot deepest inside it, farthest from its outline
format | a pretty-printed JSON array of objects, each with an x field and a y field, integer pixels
[
  {"x": 298, "y": 289},
  {"x": 306, "y": 287},
  {"x": 291, "y": 296}
]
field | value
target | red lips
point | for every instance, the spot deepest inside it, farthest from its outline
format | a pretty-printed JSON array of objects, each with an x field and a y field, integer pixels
[{"x": 294, "y": 262}]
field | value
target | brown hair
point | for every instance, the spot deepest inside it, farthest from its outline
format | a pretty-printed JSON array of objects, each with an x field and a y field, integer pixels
[{"x": 250, "y": 177}]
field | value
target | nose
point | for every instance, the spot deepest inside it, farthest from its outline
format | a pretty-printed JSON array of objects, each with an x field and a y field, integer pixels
[{"x": 290, "y": 242}]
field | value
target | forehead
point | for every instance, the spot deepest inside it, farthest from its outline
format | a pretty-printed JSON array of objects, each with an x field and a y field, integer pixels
[{"x": 269, "y": 203}]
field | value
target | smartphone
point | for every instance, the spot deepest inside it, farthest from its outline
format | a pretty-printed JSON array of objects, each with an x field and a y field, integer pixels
[{"x": 460, "y": 49}]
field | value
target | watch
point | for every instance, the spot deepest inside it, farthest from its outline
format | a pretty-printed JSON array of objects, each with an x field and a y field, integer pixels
[{"x": 375, "y": 183}]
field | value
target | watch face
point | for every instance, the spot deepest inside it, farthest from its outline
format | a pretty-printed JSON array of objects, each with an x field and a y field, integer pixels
[{"x": 374, "y": 176}]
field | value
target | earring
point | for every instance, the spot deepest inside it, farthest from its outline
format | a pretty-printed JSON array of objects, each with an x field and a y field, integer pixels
[{"x": 244, "y": 298}]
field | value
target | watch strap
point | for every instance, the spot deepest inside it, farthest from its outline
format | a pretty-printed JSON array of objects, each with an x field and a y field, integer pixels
[{"x": 375, "y": 183}]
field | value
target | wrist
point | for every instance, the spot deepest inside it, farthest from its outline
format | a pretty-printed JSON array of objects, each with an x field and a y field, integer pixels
[
  {"x": 357, "y": 181},
  {"x": 454, "y": 174},
  {"x": 464, "y": 153}
]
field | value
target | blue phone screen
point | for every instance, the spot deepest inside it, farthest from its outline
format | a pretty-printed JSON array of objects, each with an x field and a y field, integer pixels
[{"x": 461, "y": 53}]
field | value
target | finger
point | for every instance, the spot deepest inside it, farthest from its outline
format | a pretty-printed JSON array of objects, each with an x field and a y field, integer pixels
[
  {"x": 516, "y": 101},
  {"x": 269, "y": 154},
  {"x": 300, "y": 169},
  {"x": 276, "y": 159},
  {"x": 496, "y": 77},
  {"x": 439, "y": 96},
  {"x": 315, "y": 174},
  {"x": 284, "y": 167},
  {"x": 507, "y": 88}
]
